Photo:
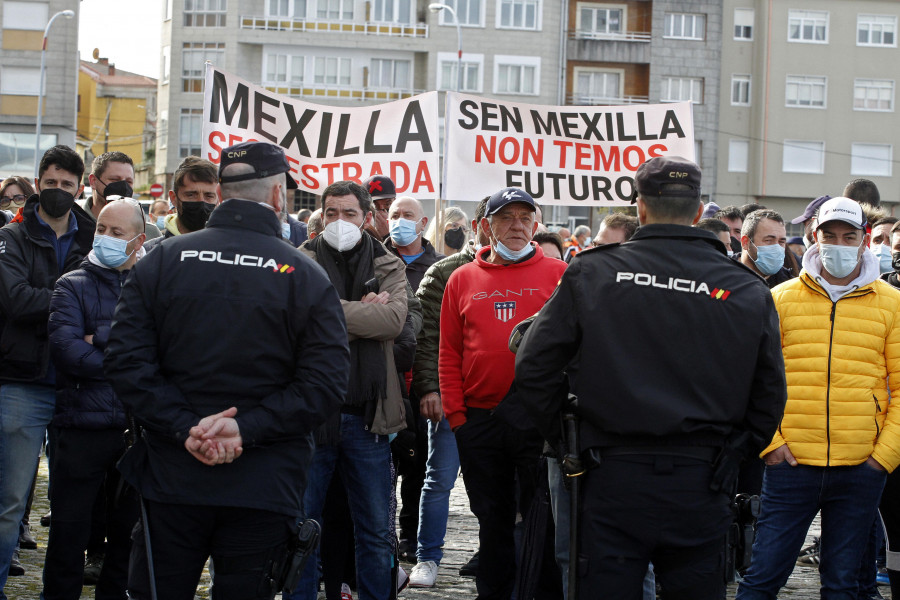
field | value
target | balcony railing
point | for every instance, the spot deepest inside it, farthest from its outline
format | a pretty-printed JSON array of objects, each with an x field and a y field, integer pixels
[
  {"x": 584, "y": 100},
  {"x": 340, "y": 93},
  {"x": 628, "y": 36},
  {"x": 324, "y": 25}
]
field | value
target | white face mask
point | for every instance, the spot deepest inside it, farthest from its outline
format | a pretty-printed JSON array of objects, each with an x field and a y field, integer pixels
[{"x": 342, "y": 235}]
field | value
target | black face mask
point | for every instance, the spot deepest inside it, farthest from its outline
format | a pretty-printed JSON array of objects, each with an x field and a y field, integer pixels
[
  {"x": 193, "y": 215},
  {"x": 56, "y": 202},
  {"x": 735, "y": 245},
  {"x": 895, "y": 261},
  {"x": 455, "y": 238},
  {"x": 117, "y": 188}
]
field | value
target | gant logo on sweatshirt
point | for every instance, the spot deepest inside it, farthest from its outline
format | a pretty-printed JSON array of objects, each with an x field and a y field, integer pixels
[
  {"x": 504, "y": 310},
  {"x": 243, "y": 260},
  {"x": 672, "y": 283}
]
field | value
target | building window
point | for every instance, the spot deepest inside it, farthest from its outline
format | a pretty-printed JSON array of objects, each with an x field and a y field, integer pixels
[
  {"x": 743, "y": 23},
  {"x": 679, "y": 89},
  {"x": 809, "y": 26},
  {"x": 516, "y": 75},
  {"x": 335, "y": 10},
  {"x": 166, "y": 64},
  {"x": 871, "y": 159},
  {"x": 391, "y": 11},
  {"x": 876, "y": 30},
  {"x": 390, "y": 74},
  {"x": 683, "y": 26},
  {"x": 332, "y": 71},
  {"x": 873, "y": 94},
  {"x": 162, "y": 132},
  {"x": 20, "y": 81},
  {"x": 30, "y": 16},
  {"x": 190, "y": 132},
  {"x": 738, "y": 156},
  {"x": 598, "y": 87},
  {"x": 193, "y": 63},
  {"x": 519, "y": 14},
  {"x": 740, "y": 90},
  {"x": 205, "y": 13},
  {"x": 284, "y": 68},
  {"x": 594, "y": 20},
  {"x": 805, "y": 91},
  {"x": 471, "y": 72},
  {"x": 467, "y": 11},
  {"x": 803, "y": 157},
  {"x": 292, "y": 9}
]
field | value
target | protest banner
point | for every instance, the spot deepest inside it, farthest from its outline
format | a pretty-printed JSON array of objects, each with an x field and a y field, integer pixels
[
  {"x": 561, "y": 155},
  {"x": 325, "y": 144}
]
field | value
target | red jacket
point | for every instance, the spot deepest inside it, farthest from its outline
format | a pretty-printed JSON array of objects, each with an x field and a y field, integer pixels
[{"x": 481, "y": 305}]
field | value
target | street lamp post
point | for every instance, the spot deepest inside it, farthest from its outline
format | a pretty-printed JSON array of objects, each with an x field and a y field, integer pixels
[
  {"x": 437, "y": 7},
  {"x": 37, "y": 133}
]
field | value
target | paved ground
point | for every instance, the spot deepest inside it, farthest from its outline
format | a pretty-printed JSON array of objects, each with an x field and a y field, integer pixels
[{"x": 460, "y": 544}]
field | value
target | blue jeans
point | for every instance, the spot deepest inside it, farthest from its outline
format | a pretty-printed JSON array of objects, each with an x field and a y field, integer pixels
[
  {"x": 847, "y": 497},
  {"x": 25, "y": 412},
  {"x": 441, "y": 470},
  {"x": 365, "y": 461}
]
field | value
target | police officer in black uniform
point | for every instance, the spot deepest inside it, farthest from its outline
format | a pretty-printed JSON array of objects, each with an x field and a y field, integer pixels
[
  {"x": 229, "y": 347},
  {"x": 680, "y": 376}
]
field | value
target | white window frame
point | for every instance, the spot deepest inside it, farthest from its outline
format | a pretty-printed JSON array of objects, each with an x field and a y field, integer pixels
[
  {"x": 577, "y": 71},
  {"x": 397, "y": 7},
  {"x": 446, "y": 20},
  {"x": 166, "y": 70},
  {"x": 738, "y": 156},
  {"x": 291, "y": 13},
  {"x": 524, "y": 62},
  {"x": 194, "y": 117},
  {"x": 744, "y": 12},
  {"x": 393, "y": 83},
  {"x": 25, "y": 16},
  {"x": 742, "y": 82},
  {"x": 802, "y": 18},
  {"x": 290, "y": 61},
  {"x": 468, "y": 61},
  {"x": 341, "y": 64},
  {"x": 803, "y": 81},
  {"x": 803, "y": 146},
  {"x": 873, "y": 84},
  {"x": 345, "y": 10},
  {"x": 538, "y": 9},
  {"x": 669, "y": 26},
  {"x": 871, "y": 21},
  {"x": 623, "y": 18},
  {"x": 162, "y": 132},
  {"x": 209, "y": 51},
  {"x": 858, "y": 161},
  {"x": 20, "y": 81},
  {"x": 665, "y": 94},
  {"x": 202, "y": 8}
]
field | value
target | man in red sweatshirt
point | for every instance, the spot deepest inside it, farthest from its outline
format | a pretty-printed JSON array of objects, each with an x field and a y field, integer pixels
[{"x": 509, "y": 280}]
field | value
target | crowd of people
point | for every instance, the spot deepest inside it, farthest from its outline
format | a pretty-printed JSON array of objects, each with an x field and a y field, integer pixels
[{"x": 216, "y": 373}]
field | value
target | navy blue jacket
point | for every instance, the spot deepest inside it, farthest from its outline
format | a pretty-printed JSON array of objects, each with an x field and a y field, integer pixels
[{"x": 82, "y": 304}]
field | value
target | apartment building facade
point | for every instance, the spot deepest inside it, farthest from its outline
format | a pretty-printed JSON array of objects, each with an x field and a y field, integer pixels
[
  {"x": 23, "y": 23},
  {"x": 809, "y": 100}
]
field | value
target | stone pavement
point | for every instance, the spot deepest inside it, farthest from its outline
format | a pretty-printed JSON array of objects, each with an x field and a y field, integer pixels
[{"x": 461, "y": 541}]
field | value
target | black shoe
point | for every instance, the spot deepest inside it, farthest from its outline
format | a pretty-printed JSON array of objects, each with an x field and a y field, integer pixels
[
  {"x": 45, "y": 520},
  {"x": 26, "y": 540},
  {"x": 470, "y": 569},
  {"x": 92, "y": 566},
  {"x": 15, "y": 567},
  {"x": 406, "y": 551}
]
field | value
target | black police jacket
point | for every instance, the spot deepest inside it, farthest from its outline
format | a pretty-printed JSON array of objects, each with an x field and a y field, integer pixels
[
  {"x": 679, "y": 345},
  {"x": 228, "y": 316},
  {"x": 28, "y": 272}
]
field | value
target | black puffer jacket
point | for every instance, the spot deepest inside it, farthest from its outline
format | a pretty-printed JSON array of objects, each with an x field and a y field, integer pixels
[
  {"x": 83, "y": 304},
  {"x": 28, "y": 272}
]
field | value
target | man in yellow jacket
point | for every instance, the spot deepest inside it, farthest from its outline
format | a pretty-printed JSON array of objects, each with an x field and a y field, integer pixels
[{"x": 840, "y": 435}]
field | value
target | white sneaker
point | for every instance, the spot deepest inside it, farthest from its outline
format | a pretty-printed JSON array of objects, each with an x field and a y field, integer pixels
[
  {"x": 423, "y": 574},
  {"x": 345, "y": 592}
]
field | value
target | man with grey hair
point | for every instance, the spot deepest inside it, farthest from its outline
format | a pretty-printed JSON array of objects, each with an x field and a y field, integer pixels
[
  {"x": 229, "y": 347},
  {"x": 662, "y": 453},
  {"x": 763, "y": 242},
  {"x": 580, "y": 240},
  {"x": 314, "y": 224}
]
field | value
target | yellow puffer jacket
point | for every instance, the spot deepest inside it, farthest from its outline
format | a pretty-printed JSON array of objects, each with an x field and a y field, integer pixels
[{"x": 837, "y": 357}]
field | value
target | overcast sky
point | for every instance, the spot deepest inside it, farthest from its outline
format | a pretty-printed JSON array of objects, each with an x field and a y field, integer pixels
[{"x": 126, "y": 32}]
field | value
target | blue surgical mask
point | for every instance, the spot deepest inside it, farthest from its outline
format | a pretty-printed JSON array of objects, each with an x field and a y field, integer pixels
[
  {"x": 769, "y": 259},
  {"x": 883, "y": 253},
  {"x": 286, "y": 231},
  {"x": 403, "y": 231},
  {"x": 839, "y": 260},
  {"x": 161, "y": 222},
  {"x": 513, "y": 255},
  {"x": 110, "y": 251}
]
